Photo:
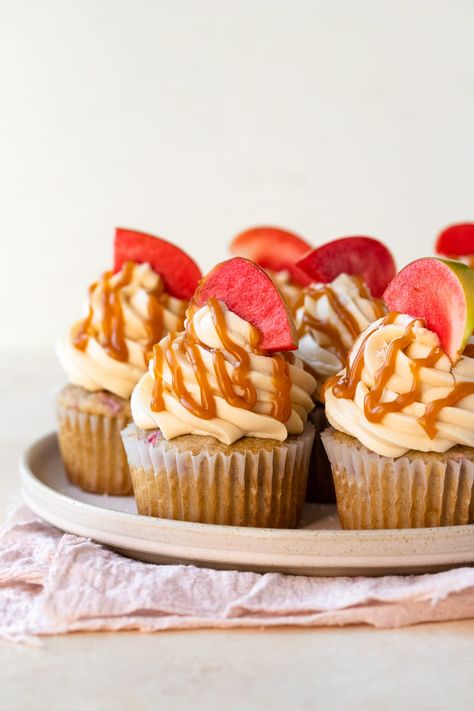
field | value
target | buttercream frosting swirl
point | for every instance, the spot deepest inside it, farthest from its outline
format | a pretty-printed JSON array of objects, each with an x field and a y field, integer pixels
[
  {"x": 212, "y": 379},
  {"x": 127, "y": 312},
  {"x": 399, "y": 391},
  {"x": 329, "y": 317}
]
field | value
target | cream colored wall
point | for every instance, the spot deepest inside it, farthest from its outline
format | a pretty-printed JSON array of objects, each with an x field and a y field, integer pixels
[{"x": 195, "y": 119}]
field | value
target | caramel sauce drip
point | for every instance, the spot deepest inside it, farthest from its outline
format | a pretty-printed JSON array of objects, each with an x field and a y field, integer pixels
[
  {"x": 309, "y": 323},
  {"x": 111, "y": 331},
  {"x": 364, "y": 293},
  {"x": 157, "y": 402},
  {"x": 189, "y": 347},
  {"x": 458, "y": 393},
  {"x": 374, "y": 409}
]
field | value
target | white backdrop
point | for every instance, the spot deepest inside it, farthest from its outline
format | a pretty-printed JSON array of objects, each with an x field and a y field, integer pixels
[{"x": 195, "y": 119}]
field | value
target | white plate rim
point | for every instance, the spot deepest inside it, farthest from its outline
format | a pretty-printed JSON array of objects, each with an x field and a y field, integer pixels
[{"x": 307, "y": 551}]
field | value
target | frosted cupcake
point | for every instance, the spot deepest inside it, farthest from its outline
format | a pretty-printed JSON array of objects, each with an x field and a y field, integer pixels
[
  {"x": 402, "y": 410},
  {"x": 220, "y": 431},
  {"x": 329, "y": 317},
  {"x": 105, "y": 353},
  {"x": 276, "y": 251}
]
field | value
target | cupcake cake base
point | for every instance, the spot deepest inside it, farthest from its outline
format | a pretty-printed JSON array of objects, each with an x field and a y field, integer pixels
[
  {"x": 90, "y": 442},
  {"x": 253, "y": 482},
  {"x": 416, "y": 490}
]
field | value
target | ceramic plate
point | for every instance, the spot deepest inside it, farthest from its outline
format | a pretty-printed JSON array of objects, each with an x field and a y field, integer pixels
[{"x": 318, "y": 547}]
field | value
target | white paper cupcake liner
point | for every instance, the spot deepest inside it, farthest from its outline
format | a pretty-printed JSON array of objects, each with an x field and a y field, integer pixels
[
  {"x": 92, "y": 451},
  {"x": 413, "y": 491},
  {"x": 263, "y": 488}
]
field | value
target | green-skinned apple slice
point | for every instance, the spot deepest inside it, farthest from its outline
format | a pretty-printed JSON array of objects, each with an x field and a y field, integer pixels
[
  {"x": 440, "y": 291},
  {"x": 456, "y": 240},
  {"x": 274, "y": 249},
  {"x": 250, "y": 293}
]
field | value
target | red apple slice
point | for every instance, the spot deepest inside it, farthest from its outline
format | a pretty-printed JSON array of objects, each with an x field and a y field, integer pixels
[
  {"x": 179, "y": 272},
  {"x": 250, "y": 293},
  {"x": 272, "y": 248},
  {"x": 358, "y": 256},
  {"x": 456, "y": 241},
  {"x": 440, "y": 291}
]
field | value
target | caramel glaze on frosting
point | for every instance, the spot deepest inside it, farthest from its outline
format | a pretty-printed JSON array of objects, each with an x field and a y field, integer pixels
[
  {"x": 329, "y": 317},
  {"x": 128, "y": 312},
  {"x": 214, "y": 379},
  {"x": 399, "y": 390}
]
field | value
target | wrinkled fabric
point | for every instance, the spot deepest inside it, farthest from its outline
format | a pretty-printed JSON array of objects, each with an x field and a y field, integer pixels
[{"x": 55, "y": 583}]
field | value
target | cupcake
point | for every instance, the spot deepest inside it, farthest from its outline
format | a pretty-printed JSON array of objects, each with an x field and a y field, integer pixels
[
  {"x": 330, "y": 314},
  {"x": 106, "y": 352},
  {"x": 401, "y": 445},
  {"x": 276, "y": 251},
  {"x": 457, "y": 242},
  {"x": 220, "y": 432}
]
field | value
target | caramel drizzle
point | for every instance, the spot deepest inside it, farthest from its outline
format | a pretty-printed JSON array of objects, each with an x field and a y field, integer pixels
[
  {"x": 309, "y": 323},
  {"x": 458, "y": 393},
  {"x": 111, "y": 331},
  {"x": 344, "y": 387},
  {"x": 188, "y": 346}
]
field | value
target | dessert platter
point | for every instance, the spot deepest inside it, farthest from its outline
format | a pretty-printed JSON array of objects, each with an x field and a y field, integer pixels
[{"x": 297, "y": 410}]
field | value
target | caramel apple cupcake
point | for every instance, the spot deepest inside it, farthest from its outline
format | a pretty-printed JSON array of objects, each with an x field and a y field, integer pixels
[
  {"x": 276, "y": 251},
  {"x": 220, "y": 431},
  {"x": 106, "y": 353},
  {"x": 401, "y": 444},
  {"x": 330, "y": 314}
]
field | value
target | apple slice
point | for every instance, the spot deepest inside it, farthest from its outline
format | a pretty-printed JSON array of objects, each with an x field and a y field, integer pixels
[
  {"x": 250, "y": 293},
  {"x": 179, "y": 272},
  {"x": 456, "y": 241},
  {"x": 358, "y": 256},
  {"x": 272, "y": 248},
  {"x": 440, "y": 291}
]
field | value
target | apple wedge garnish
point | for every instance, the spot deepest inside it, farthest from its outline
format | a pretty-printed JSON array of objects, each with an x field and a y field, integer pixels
[
  {"x": 274, "y": 249},
  {"x": 179, "y": 272},
  {"x": 456, "y": 240},
  {"x": 250, "y": 293},
  {"x": 440, "y": 291},
  {"x": 365, "y": 257}
]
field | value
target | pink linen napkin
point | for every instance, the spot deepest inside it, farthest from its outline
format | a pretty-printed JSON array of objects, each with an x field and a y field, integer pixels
[{"x": 55, "y": 583}]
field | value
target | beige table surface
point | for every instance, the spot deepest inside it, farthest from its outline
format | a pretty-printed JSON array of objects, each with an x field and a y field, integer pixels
[{"x": 424, "y": 667}]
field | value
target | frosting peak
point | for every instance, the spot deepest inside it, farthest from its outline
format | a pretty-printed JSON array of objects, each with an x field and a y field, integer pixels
[
  {"x": 329, "y": 317},
  {"x": 213, "y": 379},
  {"x": 399, "y": 391},
  {"x": 127, "y": 313}
]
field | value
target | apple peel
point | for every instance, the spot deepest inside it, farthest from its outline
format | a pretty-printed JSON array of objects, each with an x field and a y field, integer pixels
[{"x": 440, "y": 291}]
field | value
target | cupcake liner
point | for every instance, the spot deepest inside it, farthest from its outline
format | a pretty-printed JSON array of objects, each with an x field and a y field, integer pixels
[
  {"x": 320, "y": 482},
  {"x": 412, "y": 491},
  {"x": 263, "y": 488},
  {"x": 92, "y": 451}
]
